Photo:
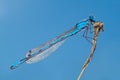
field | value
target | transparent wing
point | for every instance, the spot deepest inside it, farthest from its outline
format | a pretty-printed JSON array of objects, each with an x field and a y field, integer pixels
[{"x": 43, "y": 54}]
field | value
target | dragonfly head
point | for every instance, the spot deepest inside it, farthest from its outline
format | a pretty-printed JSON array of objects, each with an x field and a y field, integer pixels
[{"x": 91, "y": 19}]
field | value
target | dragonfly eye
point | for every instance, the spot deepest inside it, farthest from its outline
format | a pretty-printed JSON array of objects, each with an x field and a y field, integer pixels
[{"x": 91, "y": 18}]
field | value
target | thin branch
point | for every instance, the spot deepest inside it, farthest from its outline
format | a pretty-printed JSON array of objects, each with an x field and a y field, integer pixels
[{"x": 98, "y": 26}]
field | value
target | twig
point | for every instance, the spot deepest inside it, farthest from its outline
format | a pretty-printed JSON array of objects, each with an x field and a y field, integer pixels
[{"x": 98, "y": 26}]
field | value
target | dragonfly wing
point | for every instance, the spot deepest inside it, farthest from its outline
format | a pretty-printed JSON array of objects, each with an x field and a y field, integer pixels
[{"x": 43, "y": 54}]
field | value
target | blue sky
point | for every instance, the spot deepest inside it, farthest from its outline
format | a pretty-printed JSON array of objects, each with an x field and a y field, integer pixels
[{"x": 25, "y": 24}]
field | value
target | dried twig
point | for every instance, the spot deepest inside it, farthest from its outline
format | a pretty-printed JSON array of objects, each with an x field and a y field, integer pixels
[{"x": 98, "y": 26}]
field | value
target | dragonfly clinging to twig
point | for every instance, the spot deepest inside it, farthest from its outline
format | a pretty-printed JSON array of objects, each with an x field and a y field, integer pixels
[{"x": 40, "y": 52}]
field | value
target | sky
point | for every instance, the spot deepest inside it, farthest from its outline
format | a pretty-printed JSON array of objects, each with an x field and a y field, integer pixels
[{"x": 25, "y": 24}]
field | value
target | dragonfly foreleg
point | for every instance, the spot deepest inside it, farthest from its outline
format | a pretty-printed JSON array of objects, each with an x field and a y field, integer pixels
[{"x": 85, "y": 35}]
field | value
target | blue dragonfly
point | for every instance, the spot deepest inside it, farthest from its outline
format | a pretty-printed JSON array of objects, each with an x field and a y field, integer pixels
[{"x": 41, "y": 52}]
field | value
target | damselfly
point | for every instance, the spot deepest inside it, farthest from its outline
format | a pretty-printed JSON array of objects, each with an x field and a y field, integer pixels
[{"x": 40, "y": 52}]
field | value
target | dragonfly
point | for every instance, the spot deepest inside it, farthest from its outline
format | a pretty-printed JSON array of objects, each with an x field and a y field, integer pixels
[{"x": 41, "y": 52}]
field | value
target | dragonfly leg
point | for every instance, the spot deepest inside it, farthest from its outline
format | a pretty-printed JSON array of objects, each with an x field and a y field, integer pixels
[
  {"x": 91, "y": 30},
  {"x": 85, "y": 35}
]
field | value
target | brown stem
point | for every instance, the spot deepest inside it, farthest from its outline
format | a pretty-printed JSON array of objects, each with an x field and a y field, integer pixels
[{"x": 98, "y": 26}]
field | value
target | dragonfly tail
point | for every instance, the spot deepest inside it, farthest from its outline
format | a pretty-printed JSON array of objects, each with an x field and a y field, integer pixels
[{"x": 17, "y": 64}]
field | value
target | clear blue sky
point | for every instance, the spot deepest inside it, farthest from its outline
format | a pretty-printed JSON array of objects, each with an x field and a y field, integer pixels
[{"x": 25, "y": 24}]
